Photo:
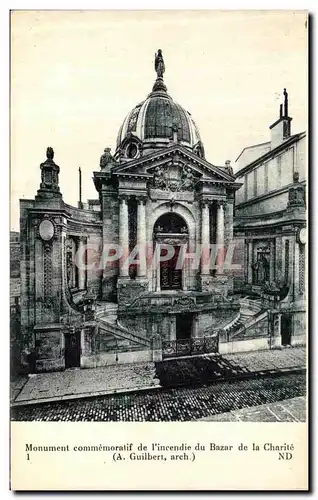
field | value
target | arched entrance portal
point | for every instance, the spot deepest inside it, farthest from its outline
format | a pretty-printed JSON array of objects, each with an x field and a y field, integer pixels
[{"x": 170, "y": 229}]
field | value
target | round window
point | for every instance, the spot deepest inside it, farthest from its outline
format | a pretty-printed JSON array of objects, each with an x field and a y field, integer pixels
[{"x": 132, "y": 150}]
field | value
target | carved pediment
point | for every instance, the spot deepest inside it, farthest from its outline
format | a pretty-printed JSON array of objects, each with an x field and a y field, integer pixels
[
  {"x": 173, "y": 177},
  {"x": 173, "y": 169}
]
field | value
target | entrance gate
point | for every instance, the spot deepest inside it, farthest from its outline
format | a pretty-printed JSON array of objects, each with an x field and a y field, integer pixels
[
  {"x": 170, "y": 230},
  {"x": 170, "y": 276},
  {"x": 190, "y": 347}
]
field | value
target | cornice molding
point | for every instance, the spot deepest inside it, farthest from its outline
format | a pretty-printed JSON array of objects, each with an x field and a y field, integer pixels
[{"x": 178, "y": 152}]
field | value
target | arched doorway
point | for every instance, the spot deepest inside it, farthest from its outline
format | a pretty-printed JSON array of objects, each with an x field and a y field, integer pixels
[{"x": 170, "y": 230}]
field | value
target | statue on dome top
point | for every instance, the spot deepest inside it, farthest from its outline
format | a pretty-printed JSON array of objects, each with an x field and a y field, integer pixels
[
  {"x": 49, "y": 153},
  {"x": 159, "y": 64}
]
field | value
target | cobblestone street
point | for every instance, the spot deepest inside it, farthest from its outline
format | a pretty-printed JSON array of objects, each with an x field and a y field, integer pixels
[{"x": 181, "y": 404}]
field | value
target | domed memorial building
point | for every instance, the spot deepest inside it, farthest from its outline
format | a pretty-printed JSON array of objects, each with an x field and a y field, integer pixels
[{"x": 142, "y": 273}]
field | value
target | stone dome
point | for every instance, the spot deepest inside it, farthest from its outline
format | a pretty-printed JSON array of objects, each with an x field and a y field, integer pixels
[{"x": 155, "y": 123}]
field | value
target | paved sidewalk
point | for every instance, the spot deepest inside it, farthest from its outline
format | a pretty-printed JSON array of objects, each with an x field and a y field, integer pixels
[
  {"x": 16, "y": 386},
  {"x": 276, "y": 359},
  {"x": 198, "y": 370},
  {"x": 78, "y": 383},
  {"x": 289, "y": 410},
  {"x": 75, "y": 383}
]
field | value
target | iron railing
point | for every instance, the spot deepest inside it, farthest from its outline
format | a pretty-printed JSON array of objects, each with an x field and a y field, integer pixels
[{"x": 190, "y": 347}]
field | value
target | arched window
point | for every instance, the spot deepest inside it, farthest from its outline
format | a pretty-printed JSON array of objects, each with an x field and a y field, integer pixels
[{"x": 171, "y": 223}]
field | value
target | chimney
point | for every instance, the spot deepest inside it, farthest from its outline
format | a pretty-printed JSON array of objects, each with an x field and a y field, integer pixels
[{"x": 280, "y": 130}]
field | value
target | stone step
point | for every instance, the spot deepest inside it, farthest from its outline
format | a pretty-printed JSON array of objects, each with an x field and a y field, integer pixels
[
  {"x": 122, "y": 332},
  {"x": 111, "y": 318},
  {"x": 245, "y": 317}
]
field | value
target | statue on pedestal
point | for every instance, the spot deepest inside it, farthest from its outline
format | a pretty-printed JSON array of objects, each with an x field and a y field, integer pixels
[
  {"x": 261, "y": 270},
  {"x": 106, "y": 158}
]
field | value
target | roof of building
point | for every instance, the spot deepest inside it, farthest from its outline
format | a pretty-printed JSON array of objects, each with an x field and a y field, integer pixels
[
  {"x": 252, "y": 147},
  {"x": 265, "y": 157}
]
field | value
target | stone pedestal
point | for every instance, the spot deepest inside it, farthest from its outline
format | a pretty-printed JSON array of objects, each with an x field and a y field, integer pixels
[
  {"x": 275, "y": 329},
  {"x": 173, "y": 334},
  {"x": 299, "y": 327},
  {"x": 49, "y": 347},
  {"x": 128, "y": 290},
  {"x": 156, "y": 348},
  {"x": 218, "y": 284}
]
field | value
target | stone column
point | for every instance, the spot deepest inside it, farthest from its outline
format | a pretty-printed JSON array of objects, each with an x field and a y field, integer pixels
[
  {"x": 157, "y": 267},
  {"x": 141, "y": 238},
  {"x": 250, "y": 261},
  {"x": 81, "y": 263},
  {"x": 123, "y": 237},
  {"x": 229, "y": 215},
  {"x": 272, "y": 261},
  {"x": 220, "y": 235},
  {"x": 276, "y": 340},
  {"x": 205, "y": 238},
  {"x": 185, "y": 268}
]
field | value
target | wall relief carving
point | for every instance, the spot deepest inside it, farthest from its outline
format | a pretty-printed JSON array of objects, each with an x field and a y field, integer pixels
[
  {"x": 184, "y": 302},
  {"x": 178, "y": 178}
]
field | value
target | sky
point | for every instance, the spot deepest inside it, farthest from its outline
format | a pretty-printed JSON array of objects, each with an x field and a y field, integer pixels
[{"x": 75, "y": 75}]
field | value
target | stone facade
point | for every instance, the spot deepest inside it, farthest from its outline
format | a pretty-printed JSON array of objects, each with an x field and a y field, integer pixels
[{"x": 98, "y": 285}]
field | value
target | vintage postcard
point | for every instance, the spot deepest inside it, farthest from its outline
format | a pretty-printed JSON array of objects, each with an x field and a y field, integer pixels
[{"x": 158, "y": 250}]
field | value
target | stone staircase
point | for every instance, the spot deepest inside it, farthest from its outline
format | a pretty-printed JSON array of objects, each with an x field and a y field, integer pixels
[
  {"x": 245, "y": 317},
  {"x": 107, "y": 321},
  {"x": 107, "y": 309},
  {"x": 251, "y": 306},
  {"x": 249, "y": 314}
]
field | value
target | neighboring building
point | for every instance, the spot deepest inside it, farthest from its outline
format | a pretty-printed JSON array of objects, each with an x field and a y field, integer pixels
[
  {"x": 157, "y": 190},
  {"x": 270, "y": 222}
]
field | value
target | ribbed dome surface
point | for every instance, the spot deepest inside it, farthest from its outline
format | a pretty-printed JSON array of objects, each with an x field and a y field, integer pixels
[
  {"x": 161, "y": 115},
  {"x": 155, "y": 118}
]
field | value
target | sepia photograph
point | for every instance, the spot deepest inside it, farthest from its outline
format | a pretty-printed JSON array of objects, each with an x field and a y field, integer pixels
[{"x": 158, "y": 234}]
